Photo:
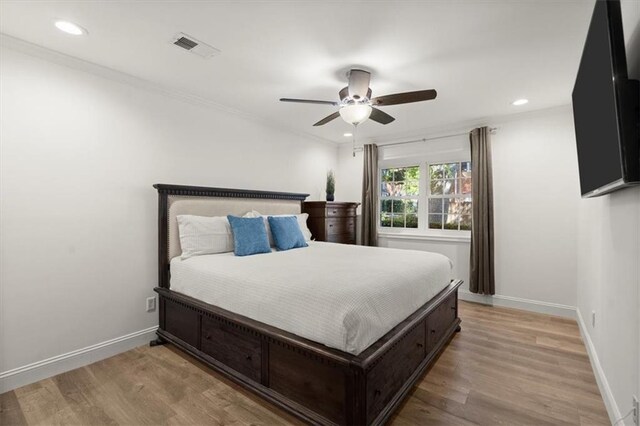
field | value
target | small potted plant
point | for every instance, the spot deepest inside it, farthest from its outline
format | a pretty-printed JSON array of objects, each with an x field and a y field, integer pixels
[{"x": 331, "y": 185}]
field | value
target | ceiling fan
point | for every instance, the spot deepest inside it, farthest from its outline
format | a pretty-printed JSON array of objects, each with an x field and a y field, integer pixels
[{"x": 356, "y": 104}]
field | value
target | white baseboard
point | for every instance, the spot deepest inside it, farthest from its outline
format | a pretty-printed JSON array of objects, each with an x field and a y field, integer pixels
[
  {"x": 601, "y": 379},
  {"x": 36, "y": 371},
  {"x": 519, "y": 303}
]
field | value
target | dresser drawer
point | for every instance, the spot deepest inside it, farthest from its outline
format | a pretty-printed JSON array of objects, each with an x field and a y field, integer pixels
[
  {"x": 340, "y": 225},
  {"x": 387, "y": 377},
  {"x": 341, "y": 211},
  {"x": 181, "y": 321},
  {"x": 232, "y": 346},
  {"x": 440, "y": 320}
]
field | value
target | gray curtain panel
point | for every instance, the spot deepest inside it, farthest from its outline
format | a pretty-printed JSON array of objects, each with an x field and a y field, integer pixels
[
  {"x": 481, "y": 270},
  {"x": 369, "y": 220}
]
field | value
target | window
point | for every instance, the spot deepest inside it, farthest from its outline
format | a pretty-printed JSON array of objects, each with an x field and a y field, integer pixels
[
  {"x": 449, "y": 196},
  {"x": 427, "y": 196},
  {"x": 399, "y": 197}
]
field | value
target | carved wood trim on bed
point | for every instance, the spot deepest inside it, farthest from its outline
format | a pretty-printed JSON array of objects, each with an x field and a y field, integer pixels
[{"x": 318, "y": 384}]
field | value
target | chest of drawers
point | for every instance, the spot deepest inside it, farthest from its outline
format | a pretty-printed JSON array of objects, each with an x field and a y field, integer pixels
[{"x": 332, "y": 221}]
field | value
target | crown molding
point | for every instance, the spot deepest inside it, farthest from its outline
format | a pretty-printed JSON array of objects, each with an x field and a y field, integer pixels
[{"x": 59, "y": 58}]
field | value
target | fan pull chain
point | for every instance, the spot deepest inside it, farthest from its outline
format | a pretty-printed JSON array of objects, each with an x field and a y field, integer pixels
[{"x": 355, "y": 130}]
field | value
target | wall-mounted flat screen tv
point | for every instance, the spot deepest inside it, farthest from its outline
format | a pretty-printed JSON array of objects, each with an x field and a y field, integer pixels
[{"x": 605, "y": 107}]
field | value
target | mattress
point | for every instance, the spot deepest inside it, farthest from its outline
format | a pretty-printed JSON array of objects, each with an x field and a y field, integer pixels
[{"x": 343, "y": 296}]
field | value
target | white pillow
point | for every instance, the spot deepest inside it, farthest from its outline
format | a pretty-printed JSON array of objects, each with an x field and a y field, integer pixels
[
  {"x": 204, "y": 235},
  {"x": 302, "y": 223}
]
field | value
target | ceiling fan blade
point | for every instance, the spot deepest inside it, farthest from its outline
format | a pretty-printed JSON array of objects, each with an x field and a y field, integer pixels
[
  {"x": 328, "y": 119},
  {"x": 404, "y": 98},
  {"x": 380, "y": 116},
  {"x": 358, "y": 83},
  {"x": 308, "y": 101}
]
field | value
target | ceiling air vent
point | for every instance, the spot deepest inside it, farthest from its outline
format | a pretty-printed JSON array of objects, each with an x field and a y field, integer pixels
[{"x": 195, "y": 46}]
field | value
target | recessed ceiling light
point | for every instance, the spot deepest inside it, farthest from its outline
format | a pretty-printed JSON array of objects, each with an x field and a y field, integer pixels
[
  {"x": 520, "y": 102},
  {"x": 70, "y": 28},
  {"x": 346, "y": 135}
]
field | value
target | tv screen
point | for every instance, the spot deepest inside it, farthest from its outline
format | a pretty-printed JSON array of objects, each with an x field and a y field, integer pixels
[{"x": 603, "y": 109}]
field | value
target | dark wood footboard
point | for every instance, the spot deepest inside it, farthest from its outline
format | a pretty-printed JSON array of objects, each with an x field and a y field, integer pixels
[{"x": 317, "y": 384}]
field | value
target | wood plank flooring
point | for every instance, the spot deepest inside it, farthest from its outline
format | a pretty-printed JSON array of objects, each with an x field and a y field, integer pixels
[{"x": 506, "y": 367}]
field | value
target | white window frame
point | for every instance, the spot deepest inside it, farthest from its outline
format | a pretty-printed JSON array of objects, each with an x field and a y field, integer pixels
[
  {"x": 423, "y": 231},
  {"x": 405, "y": 197},
  {"x": 443, "y": 196}
]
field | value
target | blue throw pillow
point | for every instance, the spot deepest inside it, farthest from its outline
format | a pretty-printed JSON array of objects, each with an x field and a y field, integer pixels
[
  {"x": 286, "y": 232},
  {"x": 249, "y": 235}
]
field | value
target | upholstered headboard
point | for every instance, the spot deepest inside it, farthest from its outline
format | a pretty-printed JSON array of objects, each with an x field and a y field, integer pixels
[
  {"x": 174, "y": 200},
  {"x": 200, "y": 206}
]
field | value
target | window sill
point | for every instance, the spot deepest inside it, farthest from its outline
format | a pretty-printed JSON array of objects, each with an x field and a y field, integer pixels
[{"x": 425, "y": 237}]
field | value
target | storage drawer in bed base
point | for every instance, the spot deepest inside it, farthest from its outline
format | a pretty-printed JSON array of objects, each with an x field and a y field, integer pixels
[{"x": 318, "y": 384}]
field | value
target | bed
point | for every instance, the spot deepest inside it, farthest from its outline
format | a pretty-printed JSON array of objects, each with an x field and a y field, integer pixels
[{"x": 308, "y": 344}]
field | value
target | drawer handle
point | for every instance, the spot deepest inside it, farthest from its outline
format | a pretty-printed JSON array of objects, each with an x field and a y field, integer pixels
[
  {"x": 248, "y": 357},
  {"x": 334, "y": 211},
  {"x": 419, "y": 345},
  {"x": 208, "y": 336},
  {"x": 453, "y": 308},
  {"x": 433, "y": 331},
  {"x": 331, "y": 225},
  {"x": 377, "y": 392}
]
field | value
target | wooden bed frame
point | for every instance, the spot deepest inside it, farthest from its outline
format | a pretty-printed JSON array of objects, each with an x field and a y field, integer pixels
[{"x": 318, "y": 384}]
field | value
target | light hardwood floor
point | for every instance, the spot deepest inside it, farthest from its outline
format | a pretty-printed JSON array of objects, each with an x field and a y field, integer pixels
[{"x": 506, "y": 367}]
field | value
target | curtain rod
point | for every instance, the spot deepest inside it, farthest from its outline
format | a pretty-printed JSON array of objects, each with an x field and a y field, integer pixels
[{"x": 492, "y": 130}]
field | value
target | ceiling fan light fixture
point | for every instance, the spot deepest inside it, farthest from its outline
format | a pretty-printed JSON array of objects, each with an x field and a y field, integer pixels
[{"x": 356, "y": 113}]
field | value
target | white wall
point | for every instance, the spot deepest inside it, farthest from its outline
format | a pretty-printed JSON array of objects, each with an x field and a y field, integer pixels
[
  {"x": 79, "y": 156},
  {"x": 536, "y": 196},
  {"x": 608, "y": 270}
]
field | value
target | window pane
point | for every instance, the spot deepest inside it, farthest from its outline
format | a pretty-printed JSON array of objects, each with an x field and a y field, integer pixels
[
  {"x": 385, "y": 189},
  {"x": 453, "y": 205},
  {"x": 466, "y": 206},
  {"x": 446, "y": 205},
  {"x": 436, "y": 187},
  {"x": 451, "y": 221},
  {"x": 436, "y": 171},
  {"x": 465, "y": 222},
  {"x": 466, "y": 167},
  {"x": 449, "y": 186},
  {"x": 435, "y": 221},
  {"x": 398, "y": 174},
  {"x": 412, "y": 221},
  {"x": 398, "y": 221},
  {"x": 411, "y": 206},
  {"x": 412, "y": 173},
  {"x": 397, "y": 189},
  {"x": 385, "y": 220},
  {"x": 386, "y": 206},
  {"x": 464, "y": 186},
  {"x": 451, "y": 170},
  {"x": 398, "y": 206},
  {"x": 411, "y": 187},
  {"x": 387, "y": 175},
  {"x": 435, "y": 205}
]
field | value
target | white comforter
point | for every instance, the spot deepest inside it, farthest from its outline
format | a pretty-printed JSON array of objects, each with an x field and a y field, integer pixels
[{"x": 343, "y": 296}]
